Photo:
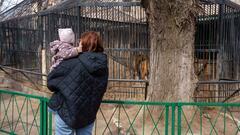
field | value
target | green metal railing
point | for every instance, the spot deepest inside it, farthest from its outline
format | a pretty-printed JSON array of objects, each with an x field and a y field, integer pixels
[
  {"x": 24, "y": 114},
  {"x": 27, "y": 114},
  {"x": 156, "y": 118}
]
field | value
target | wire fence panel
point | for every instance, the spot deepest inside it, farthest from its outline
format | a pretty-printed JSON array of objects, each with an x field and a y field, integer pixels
[
  {"x": 23, "y": 114},
  {"x": 124, "y": 31},
  {"x": 27, "y": 114},
  {"x": 217, "y": 41},
  {"x": 217, "y": 91},
  {"x": 123, "y": 28}
]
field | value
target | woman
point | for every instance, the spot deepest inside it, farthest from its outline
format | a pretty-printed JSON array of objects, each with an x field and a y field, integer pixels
[{"x": 79, "y": 84}]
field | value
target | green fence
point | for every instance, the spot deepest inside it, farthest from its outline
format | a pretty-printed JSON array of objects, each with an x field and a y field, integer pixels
[
  {"x": 155, "y": 118},
  {"x": 27, "y": 114},
  {"x": 24, "y": 114}
]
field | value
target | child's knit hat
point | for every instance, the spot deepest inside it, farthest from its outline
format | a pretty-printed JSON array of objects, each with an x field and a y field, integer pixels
[{"x": 66, "y": 35}]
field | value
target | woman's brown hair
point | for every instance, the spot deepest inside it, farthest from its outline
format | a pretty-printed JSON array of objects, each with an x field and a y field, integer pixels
[{"x": 91, "y": 42}]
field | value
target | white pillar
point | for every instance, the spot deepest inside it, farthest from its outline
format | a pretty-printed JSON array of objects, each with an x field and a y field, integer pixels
[{"x": 44, "y": 66}]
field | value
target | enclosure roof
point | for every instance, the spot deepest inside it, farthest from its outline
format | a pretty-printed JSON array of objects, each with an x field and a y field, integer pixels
[
  {"x": 30, "y": 7},
  {"x": 64, "y": 5},
  {"x": 105, "y": 10},
  {"x": 26, "y": 7},
  {"x": 74, "y": 3}
]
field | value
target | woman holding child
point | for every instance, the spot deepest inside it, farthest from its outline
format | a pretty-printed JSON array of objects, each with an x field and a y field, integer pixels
[{"x": 79, "y": 82}]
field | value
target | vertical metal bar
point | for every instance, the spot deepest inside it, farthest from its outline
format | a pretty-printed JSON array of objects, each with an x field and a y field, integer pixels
[
  {"x": 143, "y": 122},
  {"x": 232, "y": 43},
  {"x": 112, "y": 39},
  {"x": 96, "y": 20},
  {"x": 108, "y": 31},
  {"x": 4, "y": 46},
  {"x": 7, "y": 45},
  {"x": 200, "y": 109},
  {"x": 90, "y": 18},
  {"x": 119, "y": 115},
  {"x": 41, "y": 117},
  {"x": 224, "y": 121},
  {"x": 210, "y": 47},
  {"x": 173, "y": 118},
  {"x": 123, "y": 25},
  {"x": 179, "y": 119},
  {"x": 85, "y": 18},
  {"x": 237, "y": 45},
  {"x": 220, "y": 40},
  {"x": 12, "y": 98},
  {"x": 1, "y": 100},
  {"x": 129, "y": 45},
  {"x": 215, "y": 52},
  {"x": 27, "y": 115},
  {"x": 146, "y": 88},
  {"x": 45, "y": 118},
  {"x": 119, "y": 41},
  {"x": 78, "y": 21},
  {"x": 1, "y": 42},
  {"x": 166, "y": 120},
  {"x": 50, "y": 123}
]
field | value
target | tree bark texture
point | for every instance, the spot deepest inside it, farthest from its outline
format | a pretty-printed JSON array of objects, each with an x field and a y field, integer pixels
[{"x": 172, "y": 28}]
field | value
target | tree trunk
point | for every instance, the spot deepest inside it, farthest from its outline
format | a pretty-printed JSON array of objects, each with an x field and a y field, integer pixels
[{"x": 172, "y": 28}]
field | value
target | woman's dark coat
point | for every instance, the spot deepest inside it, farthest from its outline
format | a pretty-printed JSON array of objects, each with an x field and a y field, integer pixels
[{"x": 79, "y": 85}]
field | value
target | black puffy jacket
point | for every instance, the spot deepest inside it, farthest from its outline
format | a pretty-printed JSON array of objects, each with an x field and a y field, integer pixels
[{"x": 79, "y": 84}]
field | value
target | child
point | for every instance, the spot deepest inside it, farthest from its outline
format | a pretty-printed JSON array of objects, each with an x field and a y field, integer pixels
[{"x": 63, "y": 49}]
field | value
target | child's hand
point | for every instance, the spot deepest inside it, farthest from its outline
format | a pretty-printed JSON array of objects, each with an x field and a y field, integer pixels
[{"x": 79, "y": 49}]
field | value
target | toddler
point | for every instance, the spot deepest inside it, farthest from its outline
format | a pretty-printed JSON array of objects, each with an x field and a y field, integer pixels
[{"x": 63, "y": 48}]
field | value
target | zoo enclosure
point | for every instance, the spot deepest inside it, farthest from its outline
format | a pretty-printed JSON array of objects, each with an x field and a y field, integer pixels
[
  {"x": 217, "y": 43},
  {"x": 124, "y": 30},
  {"x": 122, "y": 26}
]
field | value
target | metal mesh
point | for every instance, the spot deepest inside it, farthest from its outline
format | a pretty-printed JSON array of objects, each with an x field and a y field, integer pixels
[{"x": 124, "y": 30}]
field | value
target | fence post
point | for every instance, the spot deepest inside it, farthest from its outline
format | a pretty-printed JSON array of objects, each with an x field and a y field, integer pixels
[
  {"x": 179, "y": 119},
  {"x": 173, "y": 118},
  {"x": 43, "y": 51},
  {"x": 50, "y": 123},
  {"x": 78, "y": 22},
  {"x": 220, "y": 40},
  {"x": 166, "y": 120},
  {"x": 43, "y": 117},
  {"x": 44, "y": 66}
]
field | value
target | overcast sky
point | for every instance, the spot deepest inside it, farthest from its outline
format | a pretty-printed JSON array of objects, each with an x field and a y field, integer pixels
[{"x": 7, "y": 4}]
